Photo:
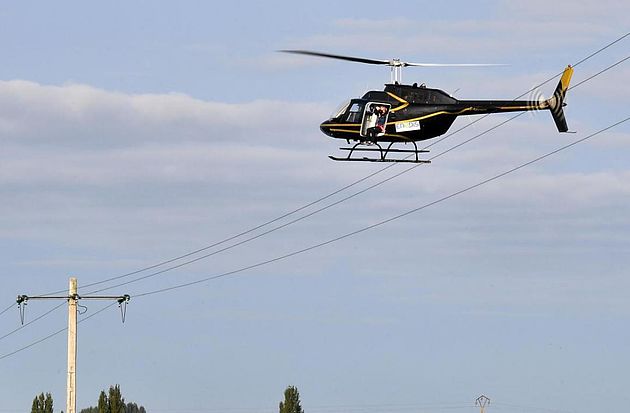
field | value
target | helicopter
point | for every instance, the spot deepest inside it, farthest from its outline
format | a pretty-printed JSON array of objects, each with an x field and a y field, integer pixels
[{"x": 411, "y": 113}]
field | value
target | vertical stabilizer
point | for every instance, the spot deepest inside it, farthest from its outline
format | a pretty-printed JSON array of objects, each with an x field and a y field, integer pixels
[{"x": 556, "y": 103}]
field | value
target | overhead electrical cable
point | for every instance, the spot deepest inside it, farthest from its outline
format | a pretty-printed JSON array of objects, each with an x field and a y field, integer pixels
[
  {"x": 182, "y": 264},
  {"x": 267, "y": 223},
  {"x": 196, "y": 259},
  {"x": 31, "y": 322},
  {"x": 330, "y": 195},
  {"x": 344, "y": 236},
  {"x": 599, "y": 73},
  {"x": 383, "y": 222},
  {"x": 530, "y": 408},
  {"x": 7, "y": 309},
  {"x": 321, "y": 199},
  {"x": 3, "y": 356}
]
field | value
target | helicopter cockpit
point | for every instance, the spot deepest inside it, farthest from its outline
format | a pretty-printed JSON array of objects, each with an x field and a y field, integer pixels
[
  {"x": 371, "y": 116},
  {"x": 354, "y": 112},
  {"x": 349, "y": 111},
  {"x": 341, "y": 109}
]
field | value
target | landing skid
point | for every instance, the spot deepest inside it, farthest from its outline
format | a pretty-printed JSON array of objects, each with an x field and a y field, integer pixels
[{"x": 383, "y": 154}]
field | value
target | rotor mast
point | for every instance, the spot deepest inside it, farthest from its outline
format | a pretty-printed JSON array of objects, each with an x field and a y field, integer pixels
[{"x": 395, "y": 66}]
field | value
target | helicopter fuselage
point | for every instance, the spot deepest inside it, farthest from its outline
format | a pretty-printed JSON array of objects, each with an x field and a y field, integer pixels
[
  {"x": 410, "y": 113},
  {"x": 404, "y": 113}
]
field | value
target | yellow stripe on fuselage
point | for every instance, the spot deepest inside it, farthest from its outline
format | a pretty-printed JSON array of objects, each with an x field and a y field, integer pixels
[
  {"x": 342, "y": 124},
  {"x": 344, "y": 130},
  {"x": 430, "y": 115},
  {"x": 522, "y": 107},
  {"x": 401, "y": 100}
]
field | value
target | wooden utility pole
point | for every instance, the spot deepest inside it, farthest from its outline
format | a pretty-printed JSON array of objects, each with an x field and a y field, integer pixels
[
  {"x": 71, "y": 394},
  {"x": 73, "y": 298}
]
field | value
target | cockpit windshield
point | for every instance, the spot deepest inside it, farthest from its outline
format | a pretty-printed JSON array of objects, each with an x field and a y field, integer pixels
[{"x": 340, "y": 110}]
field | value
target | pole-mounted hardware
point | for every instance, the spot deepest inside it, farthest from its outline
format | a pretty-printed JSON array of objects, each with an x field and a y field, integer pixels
[
  {"x": 122, "y": 304},
  {"x": 22, "y": 301}
]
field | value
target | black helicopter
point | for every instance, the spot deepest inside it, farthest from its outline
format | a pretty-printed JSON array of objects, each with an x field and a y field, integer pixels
[{"x": 411, "y": 113}]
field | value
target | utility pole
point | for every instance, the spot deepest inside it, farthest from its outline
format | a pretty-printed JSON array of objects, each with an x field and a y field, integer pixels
[
  {"x": 71, "y": 392},
  {"x": 73, "y": 298},
  {"x": 482, "y": 401}
]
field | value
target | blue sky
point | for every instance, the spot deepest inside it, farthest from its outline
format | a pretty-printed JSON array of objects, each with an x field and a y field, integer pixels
[{"x": 134, "y": 132}]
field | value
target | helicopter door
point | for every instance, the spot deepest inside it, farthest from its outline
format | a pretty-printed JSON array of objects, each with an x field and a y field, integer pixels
[{"x": 374, "y": 120}]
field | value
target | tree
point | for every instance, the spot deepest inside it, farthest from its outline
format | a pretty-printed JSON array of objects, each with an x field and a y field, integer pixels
[
  {"x": 133, "y": 408},
  {"x": 35, "y": 407},
  {"x": 113, "y": 402},
  {"x": 103, "y": 403},
  {"x": 42, "y": 403},
  {"x": 116, "y": 401},
  {"x": 48, "y": 403},
  {"x": 291, "y": 402}
]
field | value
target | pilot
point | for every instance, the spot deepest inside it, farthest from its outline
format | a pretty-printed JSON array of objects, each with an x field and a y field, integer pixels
[{"x": 376, "y": 122}]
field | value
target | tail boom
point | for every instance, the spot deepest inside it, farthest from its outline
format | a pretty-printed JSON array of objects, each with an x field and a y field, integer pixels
[{"x": 554, "y": 104}]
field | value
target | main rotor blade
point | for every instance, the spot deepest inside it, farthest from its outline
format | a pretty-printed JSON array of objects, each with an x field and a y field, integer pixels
[
  {"x": 393, "y": 62},
  {"x": 334, "y": 56},
  {"x": 452, "y": 64}
]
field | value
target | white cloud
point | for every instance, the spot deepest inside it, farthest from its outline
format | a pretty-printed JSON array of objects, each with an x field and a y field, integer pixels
[
  {"x": 379, "y": 25},
  {"x": 612, "y": 87},
  {"x": 111, "y": 118},
  {"x": 518, "y": 29},
  {"x": 610, "y": 11},
  {"x": 79, "y": 161},
  {"x": 96, "y": 183}
]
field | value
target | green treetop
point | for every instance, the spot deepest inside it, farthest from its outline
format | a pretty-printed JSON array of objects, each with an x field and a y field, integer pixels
[{"x": 291, "y": 402}]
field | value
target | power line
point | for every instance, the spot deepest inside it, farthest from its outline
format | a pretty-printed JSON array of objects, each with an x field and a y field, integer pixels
[
  {"x": 381, "y": 223},
  {"x": 326, "y": 207},
  {"x": 257, "y": 227},
  {"x": 321, "y": 209},
  {"x": 302, "y": 217},
  {"x": 595, "y": 53},
  {"x": 7, "y": 309},
  {"x": 182, "y": 264},
  {"x": 339, "y": 238},
  {"x": 2, "y": 357},
  {"x": 599, "y": 73},
  {"x": 31, "y": 322},
  {"x": 529, "y": 408},
  {"x": 332, "y": 409},
  {"x": 602, "y": 49}
]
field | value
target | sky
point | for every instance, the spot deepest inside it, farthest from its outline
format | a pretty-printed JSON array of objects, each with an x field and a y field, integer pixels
[{"x": 135, "y": 132}]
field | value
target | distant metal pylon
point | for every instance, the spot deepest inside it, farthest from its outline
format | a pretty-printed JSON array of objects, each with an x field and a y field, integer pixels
[{"x": 482, "y": 401}]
